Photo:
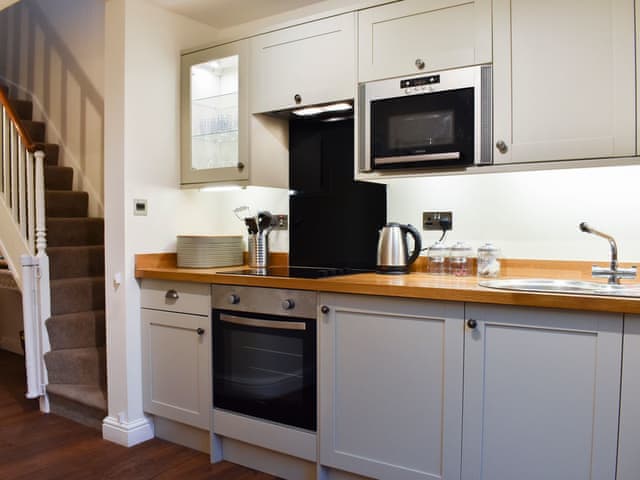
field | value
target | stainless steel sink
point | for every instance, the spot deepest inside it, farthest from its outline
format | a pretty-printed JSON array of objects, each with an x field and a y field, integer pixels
[{"x": 549, "y": 285}]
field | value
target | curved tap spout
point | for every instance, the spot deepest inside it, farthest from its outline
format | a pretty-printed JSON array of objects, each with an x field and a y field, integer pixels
[{"x": 614, "y": 248}]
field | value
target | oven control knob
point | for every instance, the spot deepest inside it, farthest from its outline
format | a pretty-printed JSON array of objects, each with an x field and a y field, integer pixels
[
  {"x": 288, "y": 304},
  {"x": 234, "y": 299}
]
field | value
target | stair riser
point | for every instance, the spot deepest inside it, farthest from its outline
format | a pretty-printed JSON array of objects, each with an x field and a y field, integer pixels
[
  {"x": 52, "y": 152},
  {"x": 62, "y": 232},
  {"x": 77, "y": 295},
  {"x": 23, "y": 108},
  {"x": 86, "y": 329},
  {"x": 77, "y": 366},
  {"x": 76, "y": 262},
  {"x": 58, "y": 178},
  {"x": 66, "y": 204},
  {"x": 36, "y": 130}
]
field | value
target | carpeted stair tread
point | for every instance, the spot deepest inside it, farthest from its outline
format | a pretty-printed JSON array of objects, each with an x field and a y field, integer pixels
[
  {"x": 76, "y": 330},
  {"x": 92, "y": 395},
  {"x": 75, "y": 231},
  {"x": 85, "y": 404},
  {"x": 76, "y": 261},
  {"x": 7, "y": 280},
  {"x": 62, "y": 203},
  {"x": 36, "y": 130},
  {"x": 23, "y": 108},
  {"x": 58, "y": 178},
  {"x": 71, "y": 295},
  {"x": 76, "y": 366}
]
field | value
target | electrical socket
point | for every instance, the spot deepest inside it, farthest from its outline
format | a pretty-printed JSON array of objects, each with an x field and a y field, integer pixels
[
  {"x": 280, "y": 222},
  {"x": 432, "y": 220}
]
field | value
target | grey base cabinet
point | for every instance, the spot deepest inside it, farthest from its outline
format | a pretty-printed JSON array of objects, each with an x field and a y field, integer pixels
[
  {"x": 176, "y": 351},
  {"x": 541, "y": 394},
  {"x": 390, "y": 383}
]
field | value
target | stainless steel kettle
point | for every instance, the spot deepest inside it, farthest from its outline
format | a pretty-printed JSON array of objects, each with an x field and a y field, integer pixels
[{"x": 393, "y": 252}]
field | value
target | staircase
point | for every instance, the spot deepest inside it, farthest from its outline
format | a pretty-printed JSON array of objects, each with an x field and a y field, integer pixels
[{"x": 76, "y": 364}]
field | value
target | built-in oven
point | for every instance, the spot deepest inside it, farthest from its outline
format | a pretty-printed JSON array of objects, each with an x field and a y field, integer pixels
[
  {"x": 264, "y": 354},
  {"x": 435, "y": 119}
]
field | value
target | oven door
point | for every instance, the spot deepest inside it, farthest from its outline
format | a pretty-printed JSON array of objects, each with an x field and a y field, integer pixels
[
  {"x": 423, "y": 130},
  {"x": 265, "y": 366}
]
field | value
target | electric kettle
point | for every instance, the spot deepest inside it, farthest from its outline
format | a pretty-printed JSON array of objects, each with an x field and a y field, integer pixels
[{"x": 393, "y": 252}]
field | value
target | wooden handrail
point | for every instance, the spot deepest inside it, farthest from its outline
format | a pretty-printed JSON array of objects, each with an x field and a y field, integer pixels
[{"x": 29, "y": 144}]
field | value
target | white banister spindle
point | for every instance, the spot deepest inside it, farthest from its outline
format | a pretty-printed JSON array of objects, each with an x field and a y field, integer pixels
[
  {"x": 22, "y": 190},
  {"x": 14, "y": 172},
  {"x": 31, "y": 204},
  {"x": 41, "y": 229},
  {"x": 5, "y": 154}
]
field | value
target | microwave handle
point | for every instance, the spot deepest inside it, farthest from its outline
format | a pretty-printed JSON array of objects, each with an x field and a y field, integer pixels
[
  {"x": 417, "y": 158},
  {"x": 254, "y": 322}
]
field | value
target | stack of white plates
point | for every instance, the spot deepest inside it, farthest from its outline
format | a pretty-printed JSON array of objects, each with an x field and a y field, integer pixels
[{"x": 207, "y": 251}]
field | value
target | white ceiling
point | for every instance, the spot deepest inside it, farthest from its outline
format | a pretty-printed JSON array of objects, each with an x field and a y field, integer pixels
[{"x": 226, "y": 13}]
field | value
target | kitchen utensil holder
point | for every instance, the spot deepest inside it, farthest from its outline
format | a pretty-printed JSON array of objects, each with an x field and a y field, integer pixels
[{"x": 258, "y": 249}]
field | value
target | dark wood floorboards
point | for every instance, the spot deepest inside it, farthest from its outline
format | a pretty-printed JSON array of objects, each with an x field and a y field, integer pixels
[{"x": 35, "y": 446}]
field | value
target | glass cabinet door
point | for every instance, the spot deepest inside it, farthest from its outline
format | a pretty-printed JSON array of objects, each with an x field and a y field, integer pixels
[{"x": 214, "y": 116}]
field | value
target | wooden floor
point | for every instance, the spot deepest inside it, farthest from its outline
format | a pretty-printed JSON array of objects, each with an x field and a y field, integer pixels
[{"x": 43, "y": 447}]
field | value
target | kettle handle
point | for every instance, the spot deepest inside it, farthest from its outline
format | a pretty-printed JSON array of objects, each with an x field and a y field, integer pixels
[{"x": 417, "y": 242}]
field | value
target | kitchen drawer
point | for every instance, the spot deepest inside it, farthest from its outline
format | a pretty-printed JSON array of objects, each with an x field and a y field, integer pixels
[{"x": 194, "y": 298}]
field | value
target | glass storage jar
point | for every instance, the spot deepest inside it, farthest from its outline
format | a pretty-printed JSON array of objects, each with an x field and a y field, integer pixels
[
  {"x": 488, "y": 261},
  {"x": 460, "y": 259},
  {"x": 437, "y": 256}
]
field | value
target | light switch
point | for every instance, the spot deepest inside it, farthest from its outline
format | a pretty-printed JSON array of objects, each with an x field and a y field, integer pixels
[{"x": 140, "y": 207}]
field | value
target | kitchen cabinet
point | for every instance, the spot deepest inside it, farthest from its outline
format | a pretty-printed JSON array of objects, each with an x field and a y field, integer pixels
[
  {"x": 541, "y": 393},
  {"x": 564, "y": 74},
  {"x": 414, "y": 36},
  {"x": 629, "y": 443},
  {"x": 307, "y": 64},
  {"x": 390, "y": 383},
  {"x": 215, "y": 121},
  {"x": 176, "y": 351}
]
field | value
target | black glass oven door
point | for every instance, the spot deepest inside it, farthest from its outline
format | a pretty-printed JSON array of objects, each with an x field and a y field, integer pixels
[
  {"x": 423, "y": 130},
  {"x": 265, "y": 366}
]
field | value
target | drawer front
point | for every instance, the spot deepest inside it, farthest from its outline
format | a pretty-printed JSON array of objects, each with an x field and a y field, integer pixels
[{"x": 182, "y": 297}]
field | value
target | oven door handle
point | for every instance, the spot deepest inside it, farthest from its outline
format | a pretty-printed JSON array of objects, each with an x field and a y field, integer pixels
[
  {"x": 417, "y": 158},
  {"x": 254, "y": 322}
]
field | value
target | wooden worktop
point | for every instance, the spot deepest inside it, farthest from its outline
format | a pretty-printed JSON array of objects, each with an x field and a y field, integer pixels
[{"x": 413, "y": 285}]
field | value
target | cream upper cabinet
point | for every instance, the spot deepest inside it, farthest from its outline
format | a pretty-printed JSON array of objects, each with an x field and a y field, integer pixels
[
  {"x": 564, "y": 80},
  {"x": 413, "y": 36},
  {"x": 307, "y": 64},
  {"x": 215, "y": 121}
]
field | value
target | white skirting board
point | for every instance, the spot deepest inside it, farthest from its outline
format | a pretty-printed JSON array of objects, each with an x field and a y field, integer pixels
[{"x": 128, "y": 433}]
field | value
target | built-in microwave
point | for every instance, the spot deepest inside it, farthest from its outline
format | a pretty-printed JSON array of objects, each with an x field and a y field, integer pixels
[{"x": 432, "y": 120}]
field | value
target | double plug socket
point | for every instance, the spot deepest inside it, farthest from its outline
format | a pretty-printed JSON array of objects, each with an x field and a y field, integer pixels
[{"x": 437, "y": 221}]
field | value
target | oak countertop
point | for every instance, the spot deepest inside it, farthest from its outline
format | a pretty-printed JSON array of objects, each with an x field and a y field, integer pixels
[{"x": 413, "y": 285}]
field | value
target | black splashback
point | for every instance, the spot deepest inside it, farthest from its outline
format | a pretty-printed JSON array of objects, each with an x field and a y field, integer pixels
[{"x": 334, "y": 220}]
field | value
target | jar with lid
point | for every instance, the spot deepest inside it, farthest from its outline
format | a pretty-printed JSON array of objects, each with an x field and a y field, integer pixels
[
  {"x": 437, "y": 256},
  {"x": 460, "y": 259},
  {"x": 488, "y": 261}
]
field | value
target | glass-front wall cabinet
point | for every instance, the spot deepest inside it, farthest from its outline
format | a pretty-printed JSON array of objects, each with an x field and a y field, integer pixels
[{"x": 214, "y": 116}]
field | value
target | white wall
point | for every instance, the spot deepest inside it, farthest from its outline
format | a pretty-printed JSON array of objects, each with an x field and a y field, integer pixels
[
  {"x": 530, "y": 214},
  {"x": 141, "y": 161},
  {"x": 53, "y": 53}
]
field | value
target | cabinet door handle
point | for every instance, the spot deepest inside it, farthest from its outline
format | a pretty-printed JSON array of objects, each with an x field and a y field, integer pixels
[
  {"x": 200, "y": 331},
  {"x": 171, "y": 295},
  {"x": 471, "y": 323},
  {"x": 502, "y": 146},
  {"x": 297, "y": 98},
  {"x": 240, "y": 166},
  {"x": 420, "y": 63},
  {"x": 324, "y": 309}
]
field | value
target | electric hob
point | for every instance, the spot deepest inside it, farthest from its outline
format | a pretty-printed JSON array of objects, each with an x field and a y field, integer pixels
[{"x": 295, "y": 272}]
